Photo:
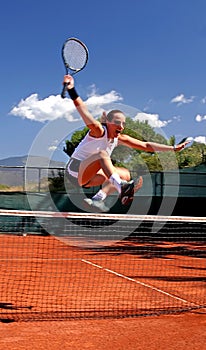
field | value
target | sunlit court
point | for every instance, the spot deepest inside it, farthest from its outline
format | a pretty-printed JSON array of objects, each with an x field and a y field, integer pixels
[
  {"x": 103, "y": 175},
  {"x": 78, "y": 272}
]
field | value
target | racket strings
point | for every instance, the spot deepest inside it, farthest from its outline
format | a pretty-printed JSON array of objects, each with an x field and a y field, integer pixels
[{"x": 75, "y": 55}]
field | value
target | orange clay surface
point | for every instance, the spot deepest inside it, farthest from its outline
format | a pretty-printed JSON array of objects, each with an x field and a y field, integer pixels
[
  {"x": 180, "y": 332},
  {"x": 43, "y": 279}
]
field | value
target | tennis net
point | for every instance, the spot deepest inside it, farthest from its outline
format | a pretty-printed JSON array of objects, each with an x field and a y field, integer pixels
[{"x": 58, "y": 265}]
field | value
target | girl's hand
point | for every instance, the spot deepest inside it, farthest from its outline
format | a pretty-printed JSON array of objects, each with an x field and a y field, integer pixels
[
  {"x": 68, "y": 79},
  {"x": 181, "y": 146}
]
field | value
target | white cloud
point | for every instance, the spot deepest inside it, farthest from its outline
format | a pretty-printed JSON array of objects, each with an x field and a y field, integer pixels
[
  {"x": 152, "y": 119},
  {"x": 148, "y": 105},
  {"x": 200, "y": 118},
  {"x": 50, "y": 108},
  {"x": 54, "y": 145},
  {"x": 200, "y": 139},
  {"x": 177, "y": 118},
  {"x": 203, "y": 100},
  {"x": 112, "y": 96},
  {"x": 52, "y": 148},
  {"x": 54, "y": 107},
  {"x": 181, "y": 99}
]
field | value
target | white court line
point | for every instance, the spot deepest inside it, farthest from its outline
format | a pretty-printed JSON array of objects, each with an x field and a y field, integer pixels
[
  {"x": 39, "y": 259},
  {"x": 110, "y": 271},
  {"x": 138, "y": 282}
]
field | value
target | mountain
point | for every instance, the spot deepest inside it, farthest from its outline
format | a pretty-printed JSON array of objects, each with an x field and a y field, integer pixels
[
  {"x": 12, "y": 169},
  {"x": 32, "y": 161}
]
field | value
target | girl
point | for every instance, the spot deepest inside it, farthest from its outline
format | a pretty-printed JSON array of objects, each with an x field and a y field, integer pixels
[{"x": 91, "y": 164}]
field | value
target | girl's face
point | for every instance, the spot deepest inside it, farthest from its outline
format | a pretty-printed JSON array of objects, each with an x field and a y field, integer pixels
[{"x": 116, "y": 125}]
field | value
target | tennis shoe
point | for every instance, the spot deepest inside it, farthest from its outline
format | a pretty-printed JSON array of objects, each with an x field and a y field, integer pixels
[
  {"x": 95, "y": 205},
  {"x": 138, "y": 183},
  {"x": 127, "y": 192},
  {"x": 129, "y": 188}
]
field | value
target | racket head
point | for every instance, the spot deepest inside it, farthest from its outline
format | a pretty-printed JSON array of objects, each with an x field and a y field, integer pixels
[
  {"x": 183, "y": 140},
  {"x": 75, "y": 55}
]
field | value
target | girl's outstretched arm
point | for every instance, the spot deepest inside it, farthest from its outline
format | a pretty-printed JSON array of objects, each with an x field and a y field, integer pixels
[{"x": 96, "y": 129}]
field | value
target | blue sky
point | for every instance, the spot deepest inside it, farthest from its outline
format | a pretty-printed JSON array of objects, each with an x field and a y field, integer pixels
[{"x": 147, "y": 56}]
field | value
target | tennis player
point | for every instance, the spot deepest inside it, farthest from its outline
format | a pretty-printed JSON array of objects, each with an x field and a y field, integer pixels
[{"x": 91, "y": 164}]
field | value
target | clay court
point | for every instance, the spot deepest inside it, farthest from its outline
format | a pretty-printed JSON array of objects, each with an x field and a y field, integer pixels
[
  {"x": 138, "y": 293},
  {"x": 184, "y": 331}
]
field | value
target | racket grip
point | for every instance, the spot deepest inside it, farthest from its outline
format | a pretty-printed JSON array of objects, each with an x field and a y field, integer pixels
[{"x": 64, "y": 90}]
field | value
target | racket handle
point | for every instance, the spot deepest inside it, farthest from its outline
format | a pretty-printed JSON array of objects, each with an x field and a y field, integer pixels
[{"x": 64, "y": 90}]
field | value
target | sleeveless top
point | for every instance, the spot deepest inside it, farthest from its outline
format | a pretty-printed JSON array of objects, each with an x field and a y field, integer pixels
[{"x": 91, "y": 145}]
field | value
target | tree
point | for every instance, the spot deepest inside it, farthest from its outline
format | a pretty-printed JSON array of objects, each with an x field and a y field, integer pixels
[
  {"x": 77, "y": 136},
  {"x": 138, "y": 161}
]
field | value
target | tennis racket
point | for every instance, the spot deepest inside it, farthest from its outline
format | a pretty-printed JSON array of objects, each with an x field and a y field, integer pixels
[
  {"x": 186, "y": 139},
  {"x": 75, "y": 56},
  {"x": 183, "y": 140}
]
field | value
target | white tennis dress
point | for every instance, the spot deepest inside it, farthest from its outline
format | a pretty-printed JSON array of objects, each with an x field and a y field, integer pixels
[{"x": 91, "y": 145}]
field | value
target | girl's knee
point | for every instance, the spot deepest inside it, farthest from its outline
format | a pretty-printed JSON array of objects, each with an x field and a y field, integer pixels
[{"x": 124, "y": 174}]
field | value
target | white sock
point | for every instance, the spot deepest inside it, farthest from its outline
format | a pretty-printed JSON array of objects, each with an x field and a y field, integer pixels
[
  {"x": 116, "y": 181},
  {"x": 100, "y": 195}
]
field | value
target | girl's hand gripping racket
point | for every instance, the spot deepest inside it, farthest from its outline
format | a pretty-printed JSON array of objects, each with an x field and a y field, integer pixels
[{"x": 75, "y": 56}]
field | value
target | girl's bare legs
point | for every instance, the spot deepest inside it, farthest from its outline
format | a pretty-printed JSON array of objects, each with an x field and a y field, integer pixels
[
  {"x": 97, "y": 169},
  {"x": 123, "y": 173},
  {"x": 108, "y": 188}
]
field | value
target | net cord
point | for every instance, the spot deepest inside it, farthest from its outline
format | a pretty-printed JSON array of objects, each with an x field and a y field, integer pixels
[{"x": 125, "y": 217}]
